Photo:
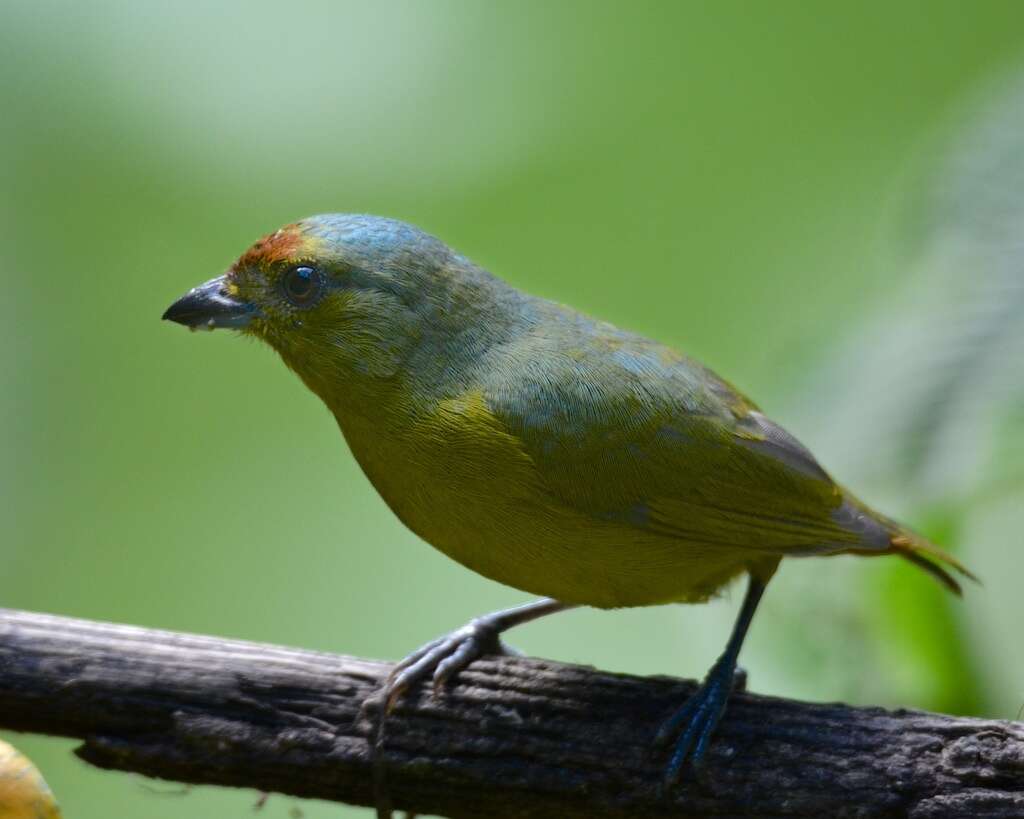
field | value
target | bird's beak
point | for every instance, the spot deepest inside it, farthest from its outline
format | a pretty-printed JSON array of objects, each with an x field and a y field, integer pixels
[{"x": 210, "y": 306}]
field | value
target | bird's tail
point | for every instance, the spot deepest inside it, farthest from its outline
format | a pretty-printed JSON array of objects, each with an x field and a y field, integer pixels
[
  {"x": 928, "y": 556},
  {"x": 880, "y": 535}
]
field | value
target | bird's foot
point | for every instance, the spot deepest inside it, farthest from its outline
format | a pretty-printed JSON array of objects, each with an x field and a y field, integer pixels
[
  {"x": 443, "y": 658},
  {"x": 440, "y": 659},
  {"x": 692, "y": 726},
  {"x": 740, "y": 678}
]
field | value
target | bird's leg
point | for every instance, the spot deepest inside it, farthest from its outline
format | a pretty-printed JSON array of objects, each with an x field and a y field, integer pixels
[
  {"x": 442, "y": 659},
  {"x": 446, "y": 656},
  {"x": 700, "y": 714}
]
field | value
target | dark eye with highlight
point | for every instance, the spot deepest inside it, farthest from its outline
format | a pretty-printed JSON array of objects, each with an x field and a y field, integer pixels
[{"x": 302, "y": 285}]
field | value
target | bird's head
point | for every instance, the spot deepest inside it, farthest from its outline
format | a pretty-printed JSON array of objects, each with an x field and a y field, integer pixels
[{"x": 338, "y": 296}]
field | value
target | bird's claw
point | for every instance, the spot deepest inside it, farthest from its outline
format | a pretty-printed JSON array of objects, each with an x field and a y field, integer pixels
[
  {"x": 739, "y": 679},
  {"x": 443, "y": 658},
  {"x": 698, "y": 718}
]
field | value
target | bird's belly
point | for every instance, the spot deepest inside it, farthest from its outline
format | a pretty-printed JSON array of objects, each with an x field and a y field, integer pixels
[
  {"x": 485, "y": 507},
  {"x": 556, "y": 553}
]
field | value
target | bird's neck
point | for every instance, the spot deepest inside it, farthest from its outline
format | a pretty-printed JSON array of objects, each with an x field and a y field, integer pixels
[{"x": 403, "y": 366}]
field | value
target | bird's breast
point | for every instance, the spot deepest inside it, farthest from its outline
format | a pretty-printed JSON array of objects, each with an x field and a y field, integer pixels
[{"x": 460, "y": 481}]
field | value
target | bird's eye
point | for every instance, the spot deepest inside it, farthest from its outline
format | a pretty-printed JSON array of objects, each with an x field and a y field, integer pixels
[{"x": 302, "y": 286}]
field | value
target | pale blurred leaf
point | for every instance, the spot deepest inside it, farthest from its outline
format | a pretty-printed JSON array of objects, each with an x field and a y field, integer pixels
[{"x": 921, "y": 410}]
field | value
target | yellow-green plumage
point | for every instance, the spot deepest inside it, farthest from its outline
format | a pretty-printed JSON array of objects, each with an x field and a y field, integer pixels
[{"x": 536, "y": 446}]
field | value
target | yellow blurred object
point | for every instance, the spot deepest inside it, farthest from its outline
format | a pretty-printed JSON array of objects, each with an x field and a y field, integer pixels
[{"x": 24, "y": 793}]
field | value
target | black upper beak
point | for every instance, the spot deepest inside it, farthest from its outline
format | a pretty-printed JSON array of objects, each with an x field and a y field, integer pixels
[{"x": 209, "y": 306}]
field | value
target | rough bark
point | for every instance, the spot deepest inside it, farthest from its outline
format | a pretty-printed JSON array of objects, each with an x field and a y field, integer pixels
[{"x": 513, "y": 737}]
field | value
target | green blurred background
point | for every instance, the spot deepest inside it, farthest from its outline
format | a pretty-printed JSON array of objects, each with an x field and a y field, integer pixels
[{"x": 818, "y": 200}]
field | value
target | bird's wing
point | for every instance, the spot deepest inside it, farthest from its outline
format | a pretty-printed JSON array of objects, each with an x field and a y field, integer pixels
[{"x": 627, "y": 430}]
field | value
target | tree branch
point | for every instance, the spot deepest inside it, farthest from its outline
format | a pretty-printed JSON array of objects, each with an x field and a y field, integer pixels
[{"x": 514, "y": 737}]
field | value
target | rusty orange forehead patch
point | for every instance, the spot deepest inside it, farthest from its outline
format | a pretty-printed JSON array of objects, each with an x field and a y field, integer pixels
[{"x": 279, "y": 246}]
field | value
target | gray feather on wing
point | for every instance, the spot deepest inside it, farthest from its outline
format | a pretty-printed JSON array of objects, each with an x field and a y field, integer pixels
[{"x": 772, "y": 440}]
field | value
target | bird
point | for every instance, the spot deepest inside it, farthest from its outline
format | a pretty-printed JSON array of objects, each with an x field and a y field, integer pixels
[{"x": 541, "y": 447}]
